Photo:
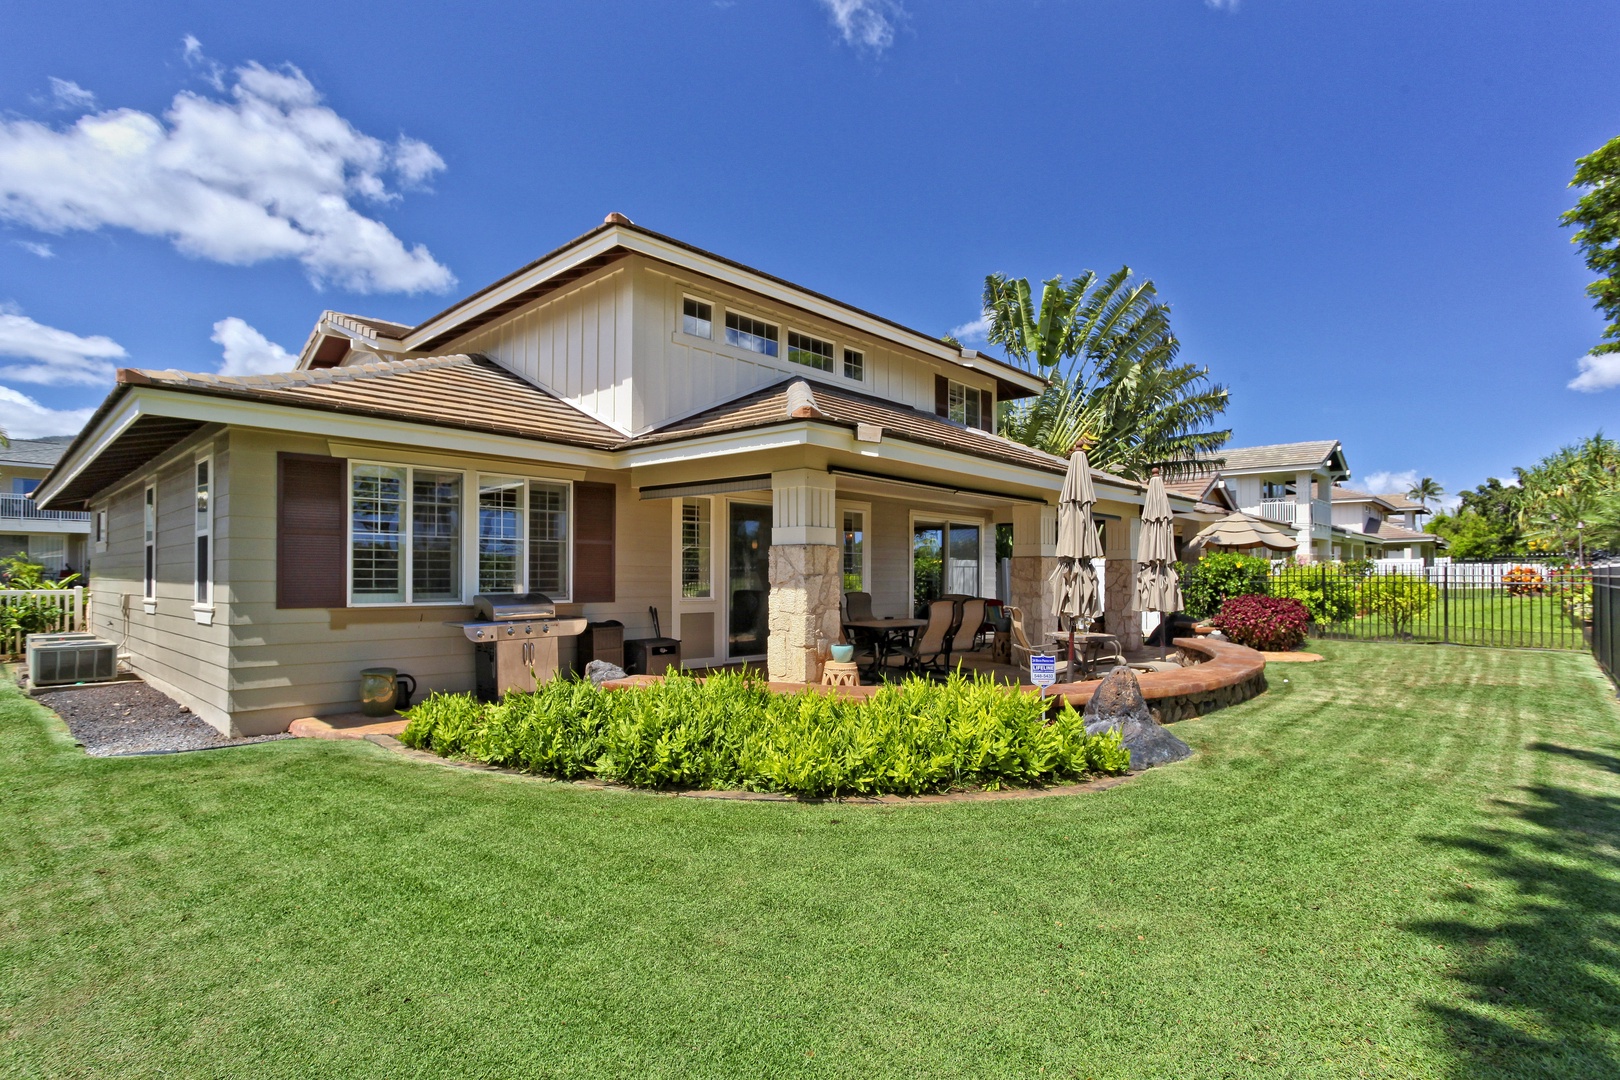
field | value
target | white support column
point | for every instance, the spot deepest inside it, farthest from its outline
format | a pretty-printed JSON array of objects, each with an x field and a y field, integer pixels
[
  {"x": 1304, "y": 528},
  {"x": 806, "y": 574}
]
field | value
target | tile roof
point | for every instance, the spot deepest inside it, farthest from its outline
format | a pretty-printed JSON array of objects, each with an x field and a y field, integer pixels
[
  {"x": 41, "y": 452},
  {"x": 459, "y": 391},
  {"x": 1393, "y": 501},
  {"x": 1276, "y": 456},
  {"x": 1388, "y": 531},
  {"x": 795, "y": 399},
  {"x": 369, "y": 327}
]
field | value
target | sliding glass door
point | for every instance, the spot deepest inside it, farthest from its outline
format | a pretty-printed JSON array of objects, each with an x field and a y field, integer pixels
[{"x": 944, "y": 561}]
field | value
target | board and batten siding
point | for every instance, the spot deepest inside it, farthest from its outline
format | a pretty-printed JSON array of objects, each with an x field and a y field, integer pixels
[
  {"x": 576, "y": 344},
  {"x": 612, "y": 345},
  {"x": 169, "y": 648}
]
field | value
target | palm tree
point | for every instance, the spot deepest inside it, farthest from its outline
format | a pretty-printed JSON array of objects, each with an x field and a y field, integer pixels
[
  {"x": 1426, "y": 491},
  {"x": 1107, "y": 350}
]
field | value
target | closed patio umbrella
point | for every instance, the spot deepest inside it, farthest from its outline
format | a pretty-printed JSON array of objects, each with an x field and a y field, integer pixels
[
  {"x": 1074, "y": 581},
  {"x": 1157, "y": 588}
]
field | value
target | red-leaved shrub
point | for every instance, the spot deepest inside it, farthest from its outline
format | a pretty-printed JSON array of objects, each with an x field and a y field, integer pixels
[{"x": 1268, "y": 623}]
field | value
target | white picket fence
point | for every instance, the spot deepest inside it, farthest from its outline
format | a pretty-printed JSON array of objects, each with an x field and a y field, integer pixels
[{"x": 72, "y": 612}]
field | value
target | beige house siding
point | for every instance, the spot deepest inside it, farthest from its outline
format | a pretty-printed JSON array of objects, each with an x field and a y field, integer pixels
[{"x": 168, "y": 647}]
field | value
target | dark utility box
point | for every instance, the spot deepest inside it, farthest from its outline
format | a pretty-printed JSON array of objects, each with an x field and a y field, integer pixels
[
  {"x": 600, "y": 641},
  {"x": 651, "y": 656}
]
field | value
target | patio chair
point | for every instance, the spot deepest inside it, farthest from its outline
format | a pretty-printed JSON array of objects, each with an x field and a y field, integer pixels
[
  {"x": 968, "y": 624},
  {"x": 932, "y": 647},
  {"x": 1022, "y": 650},
  {"x": 858, "y": 606}
]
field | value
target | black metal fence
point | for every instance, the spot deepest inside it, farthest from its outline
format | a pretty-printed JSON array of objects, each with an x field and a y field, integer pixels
[
  {"x": 1606, "y": 619},
  {"x": 1528, "y": 604}
]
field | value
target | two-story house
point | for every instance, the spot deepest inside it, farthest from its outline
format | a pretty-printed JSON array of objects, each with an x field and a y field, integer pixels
[
  {"x": 1287, "y": 484},
  {"x": 1380, "y": 527},
  {"x": 55, "y": 539},
  {"x": 627, "y": 423}
]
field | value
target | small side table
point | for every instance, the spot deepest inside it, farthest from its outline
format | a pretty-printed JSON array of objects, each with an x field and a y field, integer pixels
[
  {"x": 1001, "y": 647},
  {"x": 834, "y": 673}
]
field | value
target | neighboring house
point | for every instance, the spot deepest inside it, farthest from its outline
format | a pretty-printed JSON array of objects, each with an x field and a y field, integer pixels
[
  {"x": 1380, "y": 527},
  {"x": 627, "y": 423},
  {"x": 56, "y": 539},
  {"x": 1286, "y": 484}
]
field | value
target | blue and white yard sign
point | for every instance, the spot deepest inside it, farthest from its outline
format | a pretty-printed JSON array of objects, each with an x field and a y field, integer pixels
[{"x": 1043, "y": 670}]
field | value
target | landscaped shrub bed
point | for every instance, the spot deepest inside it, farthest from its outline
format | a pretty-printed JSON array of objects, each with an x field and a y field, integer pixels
[
  {"x": 1207, "y": 583},
  {"x": 1268, "y": 623},
  {"x": 728, "y": 732}
]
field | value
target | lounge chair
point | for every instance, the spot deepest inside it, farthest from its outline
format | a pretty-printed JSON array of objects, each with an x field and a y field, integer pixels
[{"x": 966, "y": 634}]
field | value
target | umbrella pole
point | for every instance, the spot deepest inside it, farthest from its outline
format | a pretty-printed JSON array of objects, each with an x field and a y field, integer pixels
[{"x": 1071, "y": 650}]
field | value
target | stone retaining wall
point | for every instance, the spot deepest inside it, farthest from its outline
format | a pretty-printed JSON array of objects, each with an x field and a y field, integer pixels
[{"x": 1227, "y": 675}]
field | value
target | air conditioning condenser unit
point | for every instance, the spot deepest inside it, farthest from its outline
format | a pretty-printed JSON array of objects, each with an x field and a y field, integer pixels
[{"x": 70, "y": 658}]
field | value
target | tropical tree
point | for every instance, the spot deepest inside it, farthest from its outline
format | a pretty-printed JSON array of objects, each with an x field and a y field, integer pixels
[
  {"x": 1572, "y": 497},
  {"x": 1598, "y": 215},
  {"x": 1426, "y": 491},
  {"x": 1108, "y": 353}
]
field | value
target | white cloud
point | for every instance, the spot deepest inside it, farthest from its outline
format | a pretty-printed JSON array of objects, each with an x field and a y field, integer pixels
[
  {"x": 1390, "y": 483},
  {"x": 866, "y": 23},
  {"x": 36, "y": 353},
  {"x": 977, "y": 330},
  {"x": 26, "y": 418},
  {"x": 1597, "y": 373},
  {"x": 248, "y": 352},
  {"x": 66, "y": 94},
  {"x": 1222, "y": 5},
  {"x": 211, "y": 72},
  {"x": 266, "y": 173},
  {"x": 33, "y": 247}
]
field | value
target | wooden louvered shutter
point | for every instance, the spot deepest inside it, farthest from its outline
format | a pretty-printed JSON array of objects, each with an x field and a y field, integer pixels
[
  {"x": 987, "y": 410},
  {"x": 310, "y": 555},
  {"x": 942, "y": 396},
  {"x": 595, "y": 507}
]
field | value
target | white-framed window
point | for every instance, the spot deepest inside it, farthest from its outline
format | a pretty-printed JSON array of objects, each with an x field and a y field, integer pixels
[
  {"x": 203, "y": 584},
  {"x": 1276, "y": 489},
  {"x": 149, "y": 541},
  {"x": 855, "y": 550},
  {"x": 696, "y": 548},
  {"x": 855, "y": 365},
  {"x": 404, "y": 534},
  {"x": 101, "y": 529},
  {"x": 966, "y": 405},
  {"x": 523, "y": 535},
  {"x": 751, "y": 334},
  {"x": 697, "y": 318},
  {"x": 809, "y": 351}
]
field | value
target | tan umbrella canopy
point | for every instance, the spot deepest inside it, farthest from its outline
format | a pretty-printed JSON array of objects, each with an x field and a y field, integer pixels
[
  {"x": 1239, "y": 530},
  {"x": 1156, "y": 586},
  {"x": 1075, "y": 579}
]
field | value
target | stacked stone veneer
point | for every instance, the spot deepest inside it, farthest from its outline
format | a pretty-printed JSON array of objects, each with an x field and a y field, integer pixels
[
  {"x": 806, "y": 589},
  {"x": 1120, "y": 616},
  {"x": 1032, "y": 592},
  {"x": 1186, "y": 706}
]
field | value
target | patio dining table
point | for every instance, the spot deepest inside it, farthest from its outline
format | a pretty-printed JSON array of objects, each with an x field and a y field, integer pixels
[
  {"x": 1088, "y": 646},
  {"x": 884, "y": 634}
]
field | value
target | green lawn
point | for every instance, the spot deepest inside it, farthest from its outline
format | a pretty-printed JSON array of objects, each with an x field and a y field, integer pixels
[{"x": 1402, "y": 862}]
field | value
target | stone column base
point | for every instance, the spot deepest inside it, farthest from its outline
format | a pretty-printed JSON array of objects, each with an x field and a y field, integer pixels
[
  {"x": 1120, "y": 616},
  {"x": 807, "y": 584},
  {"x": 1032, "y": 591}
]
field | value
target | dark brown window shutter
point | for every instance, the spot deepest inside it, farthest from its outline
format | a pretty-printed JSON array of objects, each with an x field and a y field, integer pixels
[
  {"x": 942, "y": 396},
  {"x": 987, "y": 410},
  {"x": 310, "y": 570},
  {"x": 595, "y": 507}
]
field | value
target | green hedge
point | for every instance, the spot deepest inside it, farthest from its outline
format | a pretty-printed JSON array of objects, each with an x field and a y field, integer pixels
[{"x": 728, "y": 732}]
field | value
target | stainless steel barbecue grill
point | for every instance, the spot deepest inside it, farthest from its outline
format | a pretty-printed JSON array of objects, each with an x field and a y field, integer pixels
[{"x": 516, "y": 637}]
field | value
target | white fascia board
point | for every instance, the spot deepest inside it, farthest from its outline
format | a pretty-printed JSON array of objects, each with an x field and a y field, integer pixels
[
  {"x": 723, "y": 444},
  {"x": 590, "y": 249},
  {"x": 112, "y": 425},
  {"x": 153, "y": 401}
]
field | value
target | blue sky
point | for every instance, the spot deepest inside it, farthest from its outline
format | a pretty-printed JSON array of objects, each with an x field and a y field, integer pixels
[{"x": 1352, "y": 207}]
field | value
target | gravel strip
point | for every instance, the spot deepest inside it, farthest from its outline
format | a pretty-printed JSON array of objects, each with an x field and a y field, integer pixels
[{"x": 132, "y": 718}]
